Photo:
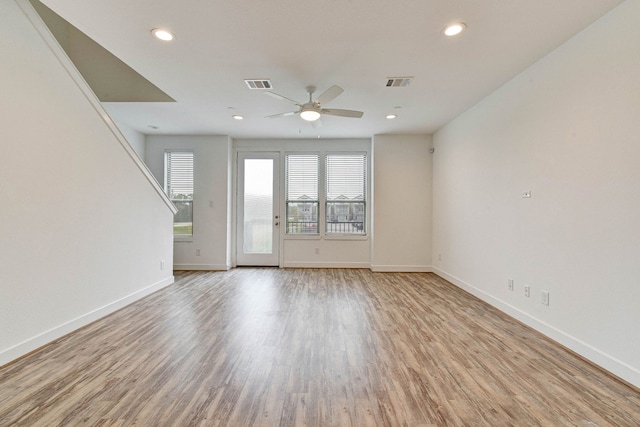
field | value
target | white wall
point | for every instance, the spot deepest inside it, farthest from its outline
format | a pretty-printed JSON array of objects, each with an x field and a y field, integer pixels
[
  {"x": 402, "y": 171},
  {"x": 84, "y": 229},
  {"x": 567, "y": 129},
  {"x": 212, "y": 204},
  {"x": 300, "y": 251},
  {"x": 214, "y": 232},
  {"x": 135, "y": 139}
]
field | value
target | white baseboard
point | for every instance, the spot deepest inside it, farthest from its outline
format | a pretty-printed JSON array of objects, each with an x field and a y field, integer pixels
[
  {"x": 402, "y": 268},
  {"x": 31, "y": 344},
  {"x": 616, "y": 367},
  {"x": 201, "y": 267},
  {"x": 326, "y": 265}
]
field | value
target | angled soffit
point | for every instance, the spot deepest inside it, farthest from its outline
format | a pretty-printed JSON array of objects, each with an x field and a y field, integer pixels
[{"x": 110, "y": 79}]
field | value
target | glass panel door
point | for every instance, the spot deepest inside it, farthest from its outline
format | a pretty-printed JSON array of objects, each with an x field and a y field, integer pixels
[{"x": 258, "y": 213}]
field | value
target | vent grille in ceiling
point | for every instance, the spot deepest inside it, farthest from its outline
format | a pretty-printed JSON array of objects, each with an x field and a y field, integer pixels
[
  {"x": 398, "y": 81},
  {"x": 259, "y": 83}
]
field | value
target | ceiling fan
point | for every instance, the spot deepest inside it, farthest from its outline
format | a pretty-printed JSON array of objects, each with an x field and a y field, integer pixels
[{"x": 312, "y": 110}]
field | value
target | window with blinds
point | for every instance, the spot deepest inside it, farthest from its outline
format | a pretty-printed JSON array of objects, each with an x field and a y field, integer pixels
[
  {"x": 345, "y": 191},
  {"x": 302, "y": 193},
  {"x": 178, "y": 184}
]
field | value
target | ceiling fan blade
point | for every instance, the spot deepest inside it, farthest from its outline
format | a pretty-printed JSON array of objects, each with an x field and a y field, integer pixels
[
  {"x": 275, "y": 116},
  {"x": 342, "y": 113},
  {"x": 329, "y": 95},
  {"x": 284, "y": 98}
]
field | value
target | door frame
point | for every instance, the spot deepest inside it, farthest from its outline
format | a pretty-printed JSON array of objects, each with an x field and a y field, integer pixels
[{"x": 239, "y": 155}]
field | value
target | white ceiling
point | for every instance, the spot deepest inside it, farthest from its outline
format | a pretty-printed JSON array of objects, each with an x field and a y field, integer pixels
[{"x": 355, "y": 44}]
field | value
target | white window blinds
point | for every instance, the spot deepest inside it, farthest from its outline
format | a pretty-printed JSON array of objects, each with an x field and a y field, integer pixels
[
  {"x": 346, "y": 189},
  {"x": 302, "y": 193},
  {"x": 179, "y": 188},
  {"x": 179, "y": 174}
]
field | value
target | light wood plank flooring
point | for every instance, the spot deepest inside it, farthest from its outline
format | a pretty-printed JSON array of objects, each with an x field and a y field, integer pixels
[{"x": 281, "y": 347}]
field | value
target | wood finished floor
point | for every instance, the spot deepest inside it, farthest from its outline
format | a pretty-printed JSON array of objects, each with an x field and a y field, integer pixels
[{"x": 280, "y": 347}]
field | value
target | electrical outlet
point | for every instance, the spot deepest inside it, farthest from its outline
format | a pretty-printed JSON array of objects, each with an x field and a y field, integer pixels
[
  {"x": 317, "y": 251},
  {"x": 162, "y": 265},
  {"x": 527, "y": 291},
  {"x": 510, "y": 284},
  {"x": 545, "y": 297},
  {"x": 198, "y": 252},
  {"x": 526, "y": 194}
]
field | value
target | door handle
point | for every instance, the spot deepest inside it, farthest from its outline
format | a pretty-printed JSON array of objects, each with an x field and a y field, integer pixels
[{"x": 277, "y": 223}]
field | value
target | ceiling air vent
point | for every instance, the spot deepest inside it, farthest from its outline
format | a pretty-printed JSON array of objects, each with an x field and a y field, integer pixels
[
  {"x": 398, "y": 81},
  {"x": 259, "y": 84}
]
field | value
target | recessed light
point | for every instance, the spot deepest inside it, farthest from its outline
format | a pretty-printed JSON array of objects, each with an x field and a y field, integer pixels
[
  {"x": 164, "y": 35},
  {"x": 238, "y": 117},
  {"x": 391, "y": 116},
  {"x": 454, "y": 29},
  {"x": 154, "y": 127}
]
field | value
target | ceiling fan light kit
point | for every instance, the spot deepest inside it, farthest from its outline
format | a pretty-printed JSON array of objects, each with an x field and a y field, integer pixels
[{"x": 309, "y": 114}]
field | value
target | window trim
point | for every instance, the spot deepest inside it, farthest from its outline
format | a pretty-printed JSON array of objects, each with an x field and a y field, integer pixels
[
  {"x": 365, "y": 232},
  {"x": 312, "y": 236},
  {"x": 167, "y": 152},
  {"x": 322, "y": 199}
]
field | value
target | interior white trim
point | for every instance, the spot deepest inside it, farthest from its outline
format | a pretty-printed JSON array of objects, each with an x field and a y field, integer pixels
[
  {"x": 604, "y": 360},
  {"x": 402, "y": 268},
  {"x": 37, "y": 341},
  {"x": 327, "y": 265},
  {"x": 77, "y": 78},
  {"x": 201, "y": 267}
]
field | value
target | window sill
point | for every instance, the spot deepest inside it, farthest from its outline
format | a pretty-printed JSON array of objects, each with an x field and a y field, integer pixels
[
  {"x": 183, "y": 238},
  {"x": 346, "y": 237},
  {"x": 302, "y": 237},
  {"x": 327, "y": 237}
]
